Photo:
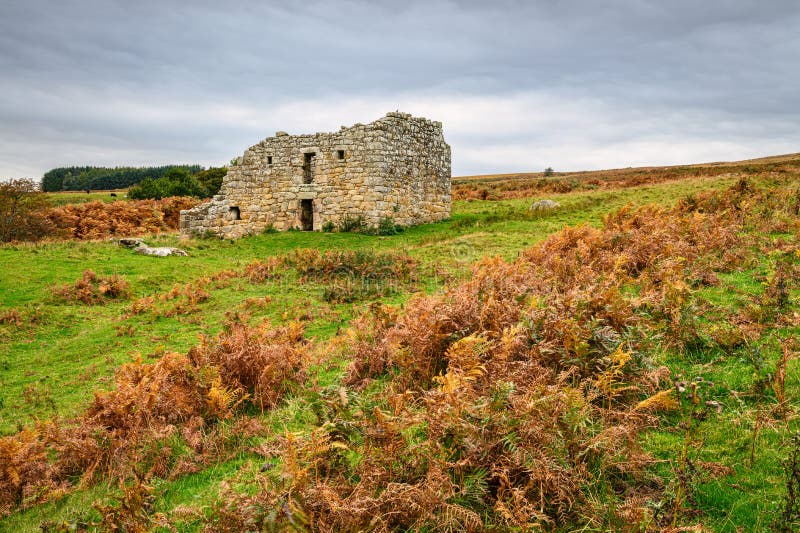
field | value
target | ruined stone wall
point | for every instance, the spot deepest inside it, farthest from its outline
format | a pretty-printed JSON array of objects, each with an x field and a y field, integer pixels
[{"x": 396, "y": 167}]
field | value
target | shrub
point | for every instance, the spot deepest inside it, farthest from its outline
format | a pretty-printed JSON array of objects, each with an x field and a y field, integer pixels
[
  {"x": 181, "y": 299},
  {"x": 176, "y": 182},
  {"x": 25, "y": 472},
  {"x": 92, "y": 289},
  {"x": 147, "y": 189},
  {"x": 352, "y": 224},
  {"x": 353, "y": 275},
  {"x": 348, "y": 290},
  {"x": 211, "y": 179},
  {"x": 181, "y": 183},
  {"x": 146, "y": 395},
  {"x": 96, "y": 220},
  {"x": 265, "y": 363},
  {"x": 364, "y": 264},
  {"x": 387, "y": 227},
  {"x": 23, "y": 210},
  {"x": 12, "y": 317},
  {"x": 259, "y": 271}
]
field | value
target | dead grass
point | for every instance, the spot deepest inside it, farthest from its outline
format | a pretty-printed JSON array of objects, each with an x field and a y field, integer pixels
[{"x": 92, "y": 289}]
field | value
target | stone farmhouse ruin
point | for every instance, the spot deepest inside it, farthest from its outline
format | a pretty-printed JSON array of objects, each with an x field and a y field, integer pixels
[{"x": 397, "y": 167}]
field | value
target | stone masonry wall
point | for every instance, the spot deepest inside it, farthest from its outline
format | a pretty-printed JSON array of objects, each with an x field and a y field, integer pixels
[{"x": 396, "y": 167}]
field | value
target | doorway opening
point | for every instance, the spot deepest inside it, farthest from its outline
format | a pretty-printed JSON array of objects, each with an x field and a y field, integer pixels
[{"x": 307, "y": 215}]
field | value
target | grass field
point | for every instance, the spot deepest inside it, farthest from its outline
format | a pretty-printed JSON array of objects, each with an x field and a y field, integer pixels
[
  {"x": 55, "y": 354},
  {"x": 80, "y": 197},
  {"x": 89, "y": 349}
]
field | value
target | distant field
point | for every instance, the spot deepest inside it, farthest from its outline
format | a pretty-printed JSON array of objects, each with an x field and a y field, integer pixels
[
  {"x": 715, "y": 460},
  {"x": 80, "y": 197}
]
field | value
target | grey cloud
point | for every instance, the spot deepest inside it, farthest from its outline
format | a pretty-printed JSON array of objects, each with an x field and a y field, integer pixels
[{"x": 135, "y": 82}]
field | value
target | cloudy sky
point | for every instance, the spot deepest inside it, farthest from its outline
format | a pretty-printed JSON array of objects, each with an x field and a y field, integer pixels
[{"x": 519, "y": 85}]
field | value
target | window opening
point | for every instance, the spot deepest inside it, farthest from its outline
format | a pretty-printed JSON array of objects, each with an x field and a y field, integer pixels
[{"x": 308, "y": 167}]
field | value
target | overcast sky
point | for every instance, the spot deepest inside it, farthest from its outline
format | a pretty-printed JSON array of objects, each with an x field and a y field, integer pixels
[{"x": 519, "y": 85}]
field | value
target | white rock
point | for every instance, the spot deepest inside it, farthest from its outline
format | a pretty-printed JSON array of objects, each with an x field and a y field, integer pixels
[
  {"x": 158, "y": 251},
  {"x": 544, "y": 205}
]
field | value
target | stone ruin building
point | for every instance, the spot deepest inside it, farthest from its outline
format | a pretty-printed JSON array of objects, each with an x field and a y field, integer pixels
[{"x": 397, "y": 167}]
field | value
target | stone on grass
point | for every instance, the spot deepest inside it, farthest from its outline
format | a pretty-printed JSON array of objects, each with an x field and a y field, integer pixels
[
  {"x": 130, "y": 242},
  {"x": 544, "y": 205},
  {"x": 140, "y": 247},
  {"x": 159, "y": 251}
]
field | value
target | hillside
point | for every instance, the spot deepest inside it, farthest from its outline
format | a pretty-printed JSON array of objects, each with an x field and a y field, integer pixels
[
  {"x": 496, "y": 186},
  {"x": 608, "y": 173},
  {"x": 624, "y": 362}
]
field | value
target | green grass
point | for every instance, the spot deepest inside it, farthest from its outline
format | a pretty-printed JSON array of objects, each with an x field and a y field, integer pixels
[
  {"x": 751, "y": 497},
  {"x": 52, "y": 366}
]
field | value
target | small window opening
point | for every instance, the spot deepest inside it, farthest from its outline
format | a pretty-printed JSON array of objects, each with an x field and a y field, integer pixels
[
  {"x": 308, "y": 167},
  {"x": 269, "y": 159},
  {"x": 340, "y": 155},
  {"x": 233, "y": 213}
]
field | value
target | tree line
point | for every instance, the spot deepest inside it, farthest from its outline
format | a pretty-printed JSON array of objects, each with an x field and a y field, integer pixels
[{"x": 104, "y": 178}]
